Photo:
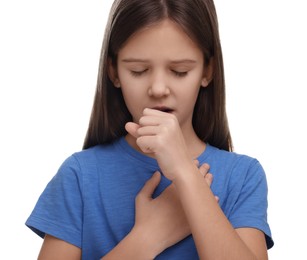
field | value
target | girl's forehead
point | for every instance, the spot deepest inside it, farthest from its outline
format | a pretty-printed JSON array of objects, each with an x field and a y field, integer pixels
[{"x": 165, "y": 37}]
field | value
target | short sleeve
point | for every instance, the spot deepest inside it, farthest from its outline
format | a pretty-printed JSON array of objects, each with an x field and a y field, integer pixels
[
  {"x": 58, "y": 211},
  {"x": 250, "y": 208}
]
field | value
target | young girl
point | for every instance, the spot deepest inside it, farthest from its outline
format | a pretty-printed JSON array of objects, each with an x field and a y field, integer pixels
[{"x": 157, "y": 177}]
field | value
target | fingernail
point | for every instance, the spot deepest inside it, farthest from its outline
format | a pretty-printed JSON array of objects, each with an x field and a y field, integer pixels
[
  {"x": 209, "y": 175},
  {"x": 157, "y": 173}
]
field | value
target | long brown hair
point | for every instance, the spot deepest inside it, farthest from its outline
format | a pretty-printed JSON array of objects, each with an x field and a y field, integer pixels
[{"x": 198, "y": 19}]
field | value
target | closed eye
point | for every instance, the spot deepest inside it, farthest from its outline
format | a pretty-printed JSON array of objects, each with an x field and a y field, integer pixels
[
  {"x": 180, "y": 73},
  {"x": 138, "y": 73}
]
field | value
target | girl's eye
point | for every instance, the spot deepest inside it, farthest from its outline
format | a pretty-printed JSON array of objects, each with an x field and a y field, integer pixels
[
  {"x": 180, "y": 73},
  {"x": 138, "y": 73}
]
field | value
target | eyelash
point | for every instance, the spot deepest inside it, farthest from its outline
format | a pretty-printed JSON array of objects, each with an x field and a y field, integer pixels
[
  {"x": 176, "y": 73},
  {"x": 137, "y": 73},
  {"x": 180, "y": 74}
]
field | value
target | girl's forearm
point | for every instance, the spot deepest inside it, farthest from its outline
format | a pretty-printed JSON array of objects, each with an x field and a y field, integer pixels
[
  {"x": 214, "y": 236},
  {"x": 134, "y": 246}
]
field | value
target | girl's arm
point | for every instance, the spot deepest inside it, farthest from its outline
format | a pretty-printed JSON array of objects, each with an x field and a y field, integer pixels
[
  {"x": 214, "y": 236},
  {"x": 56, "y": 249},
  {"x": 136, "y": 245}
]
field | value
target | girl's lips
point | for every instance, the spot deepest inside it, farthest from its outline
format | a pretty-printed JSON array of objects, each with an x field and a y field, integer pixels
[{"x": 164, "y": 109}]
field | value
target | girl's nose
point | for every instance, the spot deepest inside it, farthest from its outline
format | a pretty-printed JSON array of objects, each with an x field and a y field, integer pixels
[{"x": 158, "y": 88}]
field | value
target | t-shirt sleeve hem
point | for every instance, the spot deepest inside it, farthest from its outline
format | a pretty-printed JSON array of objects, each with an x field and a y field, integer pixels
[
  {"x": 255, "y": 223},
  {"x": 42, "y": 227}
]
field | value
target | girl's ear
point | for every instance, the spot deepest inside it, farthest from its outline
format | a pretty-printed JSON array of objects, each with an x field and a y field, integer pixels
[
  {"x": 208, "y": 73},
  {"x": 112, "y": 73}
]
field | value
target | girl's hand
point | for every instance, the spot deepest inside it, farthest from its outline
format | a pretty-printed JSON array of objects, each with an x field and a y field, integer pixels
[
  {"x": 159, "y": 133},
  {"x": 161, "y": 222}
]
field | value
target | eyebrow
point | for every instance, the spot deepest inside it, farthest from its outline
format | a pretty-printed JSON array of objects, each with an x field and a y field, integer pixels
[
  {"x": 131, "y": 60},
  {"x": 134, "y": 60}
]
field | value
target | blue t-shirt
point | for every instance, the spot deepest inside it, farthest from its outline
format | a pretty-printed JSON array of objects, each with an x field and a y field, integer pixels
[{"x": 90, "y": 202}]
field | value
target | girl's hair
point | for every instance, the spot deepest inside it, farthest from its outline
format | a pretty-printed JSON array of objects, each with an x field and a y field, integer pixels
[{"x": 198, "y": 19}]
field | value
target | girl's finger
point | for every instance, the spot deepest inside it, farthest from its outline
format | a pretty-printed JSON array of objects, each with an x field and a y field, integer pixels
[
  {"x": 149, "y": 187},
  {"x": 154, "y": 112},
  {"x": 148, "y": 130},
  {"x": 196, "y": 162},
  {"x": 217, "y": 199},
  {"x": 147, "y": 144},
  {"x": 209, "y": 179},
  {"x": 150, "y": 120},
  {"x": 132, "y": 128},
  {"x": 204, "y": 169}
]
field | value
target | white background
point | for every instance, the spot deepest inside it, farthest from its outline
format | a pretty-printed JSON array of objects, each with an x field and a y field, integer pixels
[{"x": 49, "y": 52}]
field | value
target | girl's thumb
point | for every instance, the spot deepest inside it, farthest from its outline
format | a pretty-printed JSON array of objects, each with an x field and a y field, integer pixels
[
  {"x": 151, "y": 185},
  {"x": 132, "y": 128}
]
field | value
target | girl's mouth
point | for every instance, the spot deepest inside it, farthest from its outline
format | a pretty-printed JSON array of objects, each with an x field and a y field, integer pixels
[{"x": 164, "y": 109}]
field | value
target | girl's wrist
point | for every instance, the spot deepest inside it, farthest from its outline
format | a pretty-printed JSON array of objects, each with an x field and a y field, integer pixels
[
  {"x": 145, "y": 243},
  {"x": 133, "y": 246},
  {"x": 185, "y": 172}
]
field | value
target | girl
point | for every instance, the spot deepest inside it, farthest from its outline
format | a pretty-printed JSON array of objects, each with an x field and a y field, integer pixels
[{"x": 141, "y": 188}]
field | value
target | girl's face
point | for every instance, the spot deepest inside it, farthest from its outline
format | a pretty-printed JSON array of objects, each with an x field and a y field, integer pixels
[{"x": 161, "y": 67}]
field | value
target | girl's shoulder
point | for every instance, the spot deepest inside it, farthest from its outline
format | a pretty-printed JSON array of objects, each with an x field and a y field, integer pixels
[
  {"x": 215, "y": 154},
  {"x": 231, "y": 163},
  {"x": 98, "y": 152}
]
